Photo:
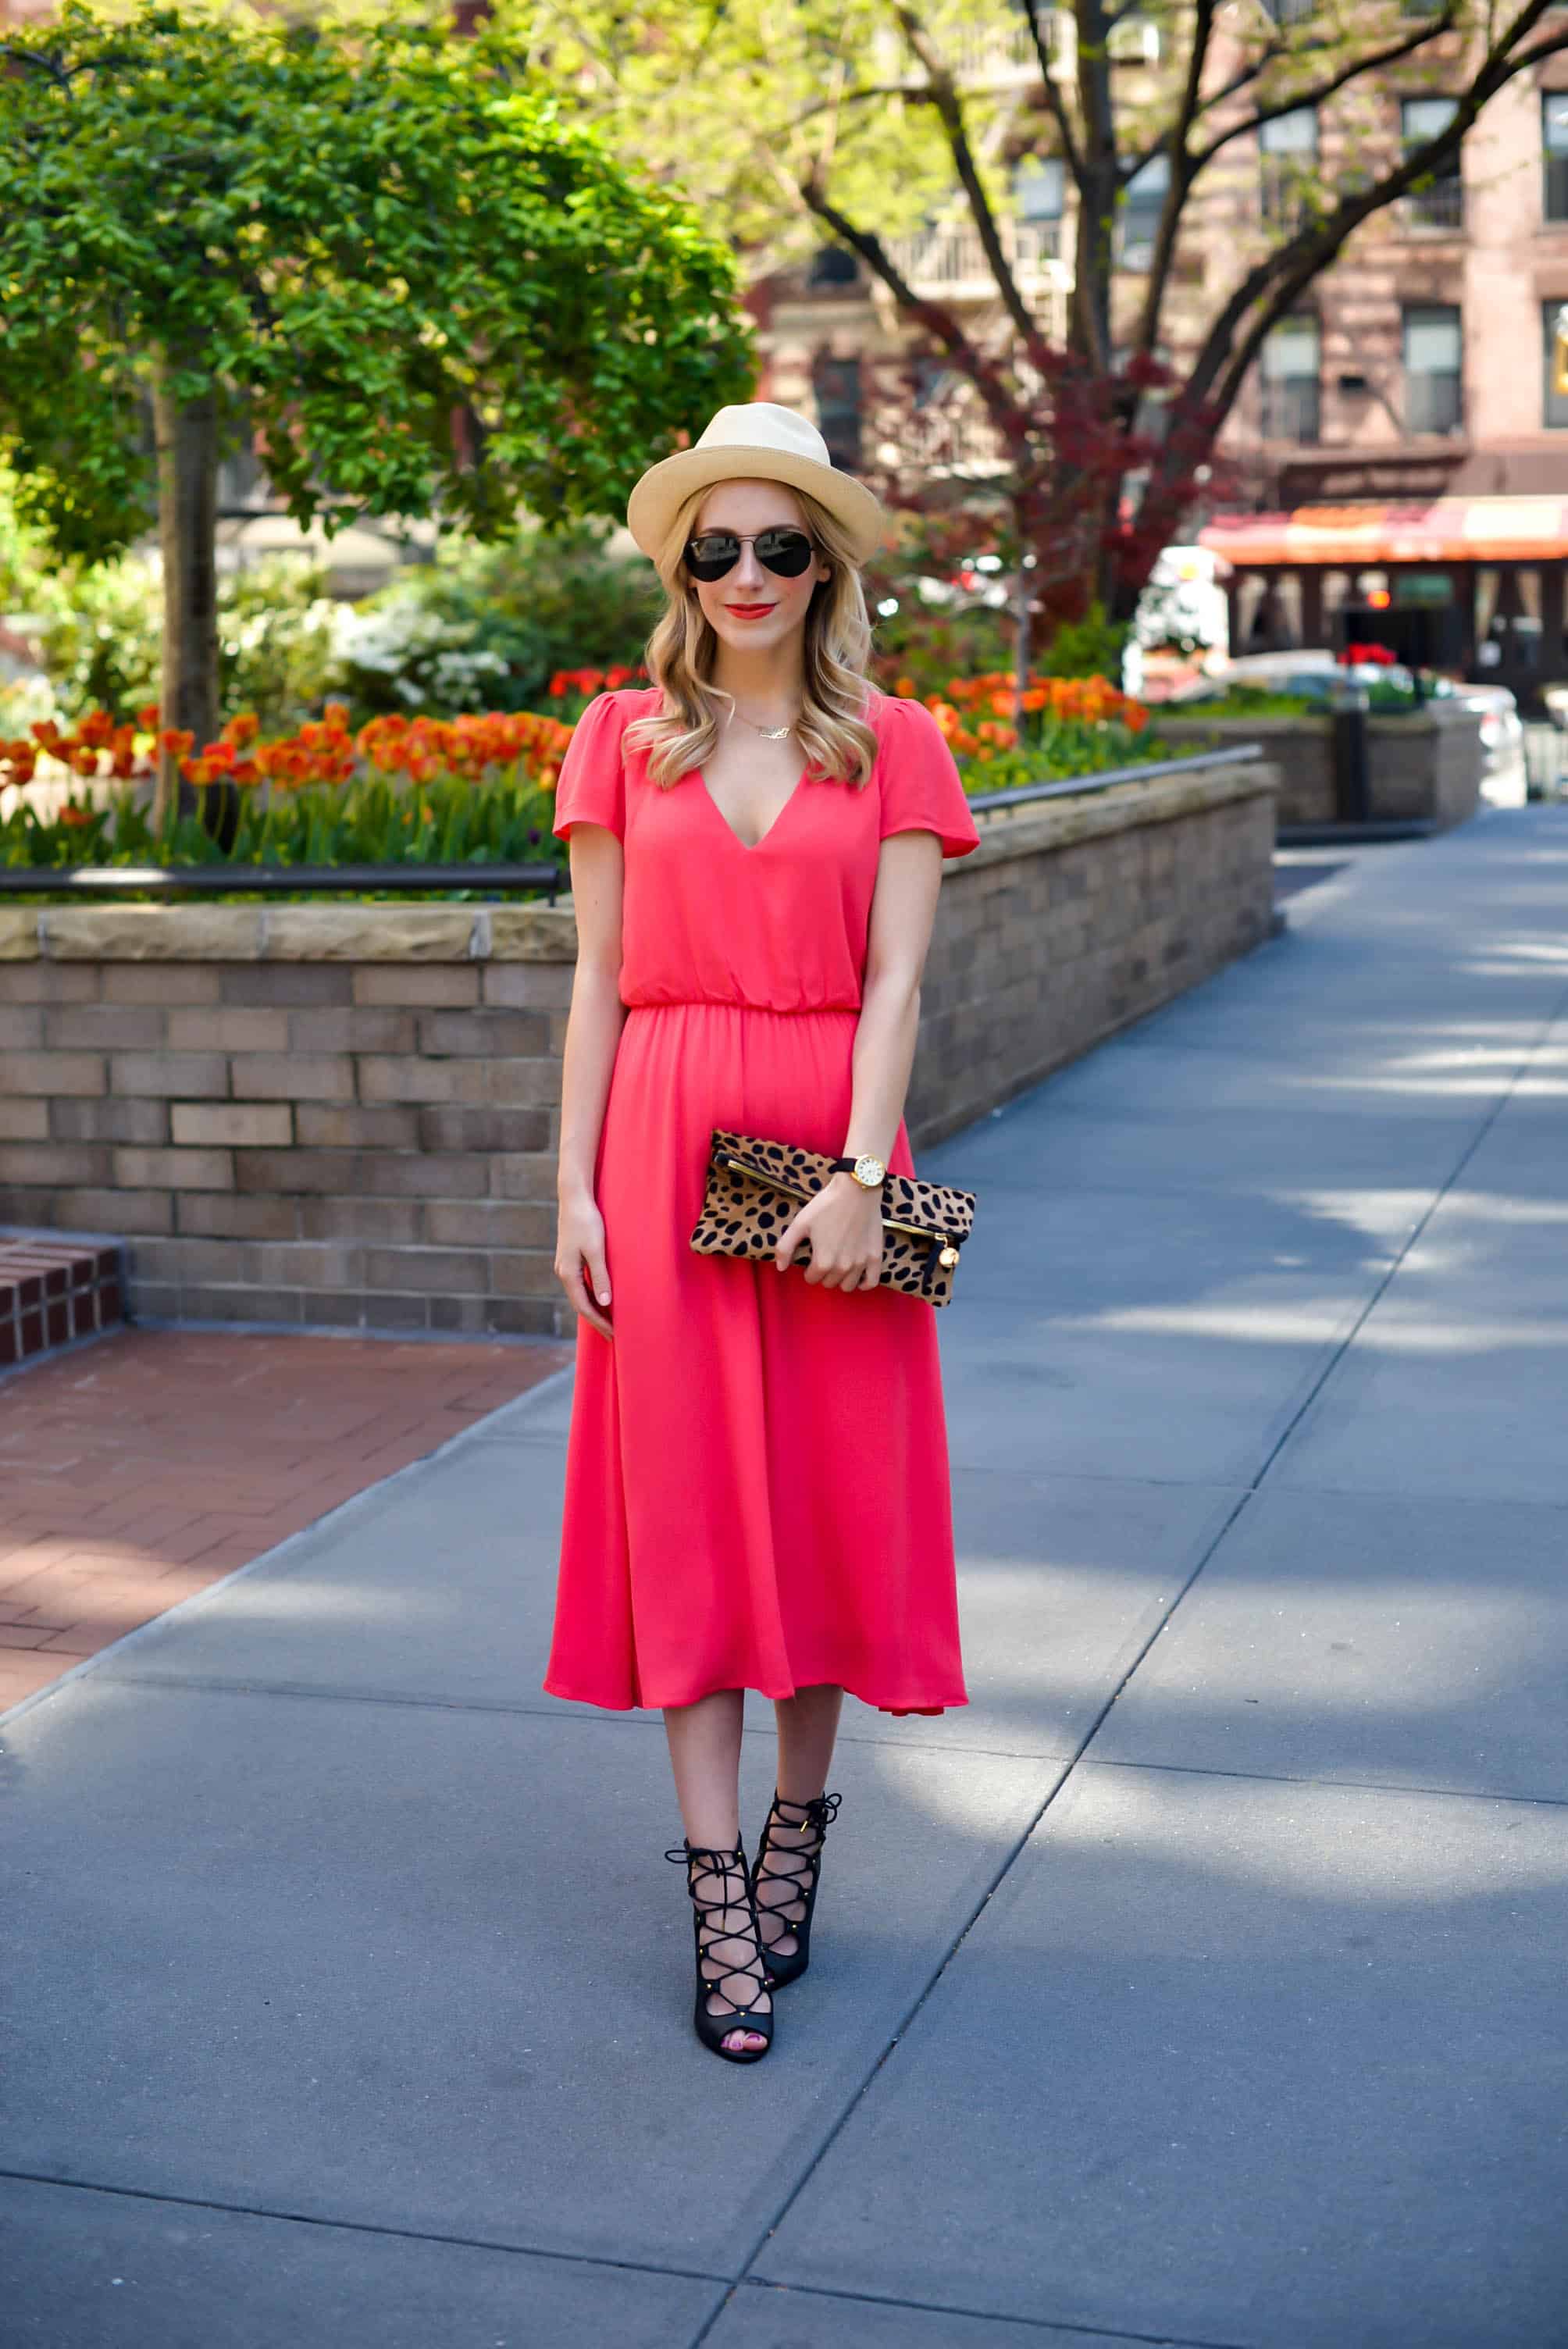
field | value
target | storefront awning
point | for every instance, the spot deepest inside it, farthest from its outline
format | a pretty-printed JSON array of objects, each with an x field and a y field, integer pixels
[{"x": 1446, "y": 530}]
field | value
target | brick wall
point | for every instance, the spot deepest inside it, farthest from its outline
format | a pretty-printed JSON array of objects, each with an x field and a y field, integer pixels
[
  {"x": 1078, "y": 918},
  {"x": 346, "y": 1115},
  {"x": 1427, "y": 767}
]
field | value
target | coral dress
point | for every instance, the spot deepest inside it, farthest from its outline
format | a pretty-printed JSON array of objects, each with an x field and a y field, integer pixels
[{"x": 756, "y": 1477}]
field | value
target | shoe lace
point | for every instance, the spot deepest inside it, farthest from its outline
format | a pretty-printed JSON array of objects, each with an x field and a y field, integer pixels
[
  {"x": 795, "y": 1863},
  {"x": 720, "y": 1972}
]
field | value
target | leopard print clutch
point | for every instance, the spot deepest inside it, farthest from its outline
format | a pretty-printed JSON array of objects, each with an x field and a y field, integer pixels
[{"x": 755, "y": 1187}]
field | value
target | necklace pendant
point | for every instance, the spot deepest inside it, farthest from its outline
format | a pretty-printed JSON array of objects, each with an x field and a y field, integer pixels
[{"x": 775, "y": 733}]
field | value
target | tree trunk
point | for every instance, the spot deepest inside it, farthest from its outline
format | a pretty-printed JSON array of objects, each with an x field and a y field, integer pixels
[{"x": 187, "y": 434}]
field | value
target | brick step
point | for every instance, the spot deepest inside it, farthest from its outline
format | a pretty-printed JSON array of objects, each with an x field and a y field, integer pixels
[{"x": 55, "y": 1287}]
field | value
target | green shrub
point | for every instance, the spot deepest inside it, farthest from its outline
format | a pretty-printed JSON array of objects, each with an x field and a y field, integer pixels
[
  {"x": 1091, "y": 647},
  {"x": 490, "y": 626}
]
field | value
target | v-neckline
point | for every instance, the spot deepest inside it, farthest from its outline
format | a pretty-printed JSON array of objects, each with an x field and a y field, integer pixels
[{"x": 750, "y": 847}]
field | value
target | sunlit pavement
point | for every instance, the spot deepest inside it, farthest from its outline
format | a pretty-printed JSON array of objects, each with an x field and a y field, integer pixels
[{"x": 1200, "y": 1982}]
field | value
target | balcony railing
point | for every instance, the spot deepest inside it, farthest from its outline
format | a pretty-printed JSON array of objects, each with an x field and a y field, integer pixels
[
  {"x": 984, "y": 56},
  {"x": 1292, "y": 410},
  {"x": 947, "y": 260},
  {"x": 1439, "y": 207}
]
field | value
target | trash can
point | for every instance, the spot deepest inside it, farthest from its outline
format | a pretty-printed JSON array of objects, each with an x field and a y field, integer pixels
[{"x": 1348, "y": 704}]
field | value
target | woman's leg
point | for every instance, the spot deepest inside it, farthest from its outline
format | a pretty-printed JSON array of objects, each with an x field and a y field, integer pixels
[
  {"x": 807, "y": 1726},
  {"x": 705, "y": 1754}
]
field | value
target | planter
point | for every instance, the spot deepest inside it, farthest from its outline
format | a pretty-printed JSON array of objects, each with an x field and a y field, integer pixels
[
  {"x": 346, "y": 1115},
  {"x": 1426, "y": 768}
]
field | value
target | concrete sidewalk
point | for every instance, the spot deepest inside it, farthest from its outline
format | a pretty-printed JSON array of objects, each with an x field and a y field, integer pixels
[{"x": 1201, "y": 1983}]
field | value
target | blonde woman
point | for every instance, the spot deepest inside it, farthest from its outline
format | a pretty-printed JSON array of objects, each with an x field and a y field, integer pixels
[{"x": 757, "y": 1480}]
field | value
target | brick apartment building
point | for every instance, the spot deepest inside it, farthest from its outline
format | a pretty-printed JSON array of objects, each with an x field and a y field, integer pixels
[{"x": 1406, "y": 431}]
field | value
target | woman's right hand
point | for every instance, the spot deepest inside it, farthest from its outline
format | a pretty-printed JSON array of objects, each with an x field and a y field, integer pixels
[{"x": 580, "y": 1264}]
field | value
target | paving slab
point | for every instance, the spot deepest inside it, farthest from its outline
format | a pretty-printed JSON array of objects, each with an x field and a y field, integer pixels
[
  {"x": 438, "y": 1587},
  {"x": 1203, "y": 1403},
  {"x": 424, "y": 1969},
  {"x": 1230, "y": 2062},
  {"x": 85, "y": 2269},
  {"x": 1232, "y": 1154},
  {"x": 776, "y": 2316},
  {"x": 1380, "y": 1639},
  {"x": 1458, "y": 1382},
  {"x": 1063, "y": 1582}
]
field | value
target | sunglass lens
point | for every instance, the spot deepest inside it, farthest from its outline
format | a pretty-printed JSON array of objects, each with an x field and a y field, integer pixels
[
  {"x": 712, "y": 554},
  {"x": 786, "y": 553}
]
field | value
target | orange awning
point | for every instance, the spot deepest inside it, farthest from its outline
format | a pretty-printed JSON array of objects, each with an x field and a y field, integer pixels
[{"x": 1363, "y": 537}]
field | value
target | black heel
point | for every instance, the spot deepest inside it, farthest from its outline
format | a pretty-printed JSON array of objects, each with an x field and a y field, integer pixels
[
  {"x": 798, "y": 1865},
  {"x": 723, "y": 1976}
]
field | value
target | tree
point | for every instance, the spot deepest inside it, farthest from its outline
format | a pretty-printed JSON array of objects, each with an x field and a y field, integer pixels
[
  {"x": 379, "y": 257},
  {"x": 854, "y": 123}
]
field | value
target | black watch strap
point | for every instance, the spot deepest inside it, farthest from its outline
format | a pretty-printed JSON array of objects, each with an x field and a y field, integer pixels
[{"x": 848, "y": 1165}]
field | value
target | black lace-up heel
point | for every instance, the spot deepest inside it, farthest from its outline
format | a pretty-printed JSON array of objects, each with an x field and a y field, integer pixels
[
  {"x": 720, "y": 1974},
  {"x": 800, "y": 1866}
]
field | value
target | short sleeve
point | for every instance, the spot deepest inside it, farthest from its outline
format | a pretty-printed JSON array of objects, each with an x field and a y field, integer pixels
[
  {"x": 591, "y": 787},
  {"x": 921, "y": 788}
]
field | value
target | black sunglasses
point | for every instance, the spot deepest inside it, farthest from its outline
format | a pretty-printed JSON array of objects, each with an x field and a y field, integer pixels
[{"x": 786, "y": 553}]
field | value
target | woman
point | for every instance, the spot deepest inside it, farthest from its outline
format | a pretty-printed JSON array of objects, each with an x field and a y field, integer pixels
[{"x": 756, "y": 1487}]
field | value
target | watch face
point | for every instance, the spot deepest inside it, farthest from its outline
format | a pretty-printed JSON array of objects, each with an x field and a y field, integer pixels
[{"x": 869, "y": 1170}]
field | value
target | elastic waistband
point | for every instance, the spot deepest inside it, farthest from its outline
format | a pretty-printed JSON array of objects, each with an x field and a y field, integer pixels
[{"x": 767, "y": 1010}]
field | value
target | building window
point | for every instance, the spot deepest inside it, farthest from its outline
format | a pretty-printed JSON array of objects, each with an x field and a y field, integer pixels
[
  {"x": 1039, "y": 193},
  {"x": 1441, "y": 203},
  {"x": 1554, "y": 155},
  {"x": 836, "y": 385},
  {"x": 1289, "y": 12},
  {"x": 1138, "y": 221},
  {"x": 1555, "y": 323},
  {"x": 1289, "y": 366},
  {"x": 1434, "y": 397},
  {"x": 1287, "y": 158},
  {"x": 833, "y": 265}
]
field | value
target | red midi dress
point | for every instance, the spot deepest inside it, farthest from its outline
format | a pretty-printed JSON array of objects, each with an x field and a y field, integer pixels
[{"x": 757, "y": 1477}]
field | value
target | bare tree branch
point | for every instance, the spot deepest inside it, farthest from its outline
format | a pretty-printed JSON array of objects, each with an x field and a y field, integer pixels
[
  {"x": 1033, "y": 10},
  {"x": 1318, "y": 93},
  {"x": 1176, "y": 193},
  {"x": 935, "y": 316},
  {"x": 1269, "y": 292},
  {"x": 950, "y": 110}
]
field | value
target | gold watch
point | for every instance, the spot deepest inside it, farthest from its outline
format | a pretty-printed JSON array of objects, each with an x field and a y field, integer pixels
[{"x": 868, "y": 1172}]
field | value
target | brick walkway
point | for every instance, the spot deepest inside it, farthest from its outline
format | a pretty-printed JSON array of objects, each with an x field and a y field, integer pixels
[{"x": 138, "y": 1470}]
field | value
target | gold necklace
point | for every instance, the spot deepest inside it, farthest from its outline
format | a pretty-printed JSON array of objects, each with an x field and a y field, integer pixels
[{"x": 768, "y": 733}]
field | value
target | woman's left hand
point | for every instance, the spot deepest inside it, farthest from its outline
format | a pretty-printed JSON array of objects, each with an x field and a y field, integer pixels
[{"x": 844, "y": 1222}]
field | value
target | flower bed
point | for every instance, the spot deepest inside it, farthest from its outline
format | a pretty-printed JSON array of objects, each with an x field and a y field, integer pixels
[
  {"x": 400, "y": 790},
  {"x": 469, "y": 791},
  {"x": 1069, "y": 725}
]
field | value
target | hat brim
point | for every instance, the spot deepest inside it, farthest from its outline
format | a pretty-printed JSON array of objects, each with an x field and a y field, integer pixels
[{"x": 656, "y": 498}]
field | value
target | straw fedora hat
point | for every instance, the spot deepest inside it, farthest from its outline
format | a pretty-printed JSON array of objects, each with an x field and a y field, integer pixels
[{"x": 754, "y": 441}]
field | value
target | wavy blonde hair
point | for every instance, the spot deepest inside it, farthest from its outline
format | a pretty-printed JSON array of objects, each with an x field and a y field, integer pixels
[{"x": 832, "y": 730}]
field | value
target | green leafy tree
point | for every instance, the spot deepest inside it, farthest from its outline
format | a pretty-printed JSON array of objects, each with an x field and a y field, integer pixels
[{"x": 381, "y": 258}]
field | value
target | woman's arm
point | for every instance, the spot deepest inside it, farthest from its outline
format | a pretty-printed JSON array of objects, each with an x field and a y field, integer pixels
[
  {"x": 593, "y": 1028},
  {"x": 845, "y": 1221}
]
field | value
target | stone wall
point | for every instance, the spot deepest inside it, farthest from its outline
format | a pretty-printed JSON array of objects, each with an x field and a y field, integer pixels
[
  {"x": 1080, "y": 914},
  {"x": 1426, "y": 766},
  {"x": 345, "y": 1116}
]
